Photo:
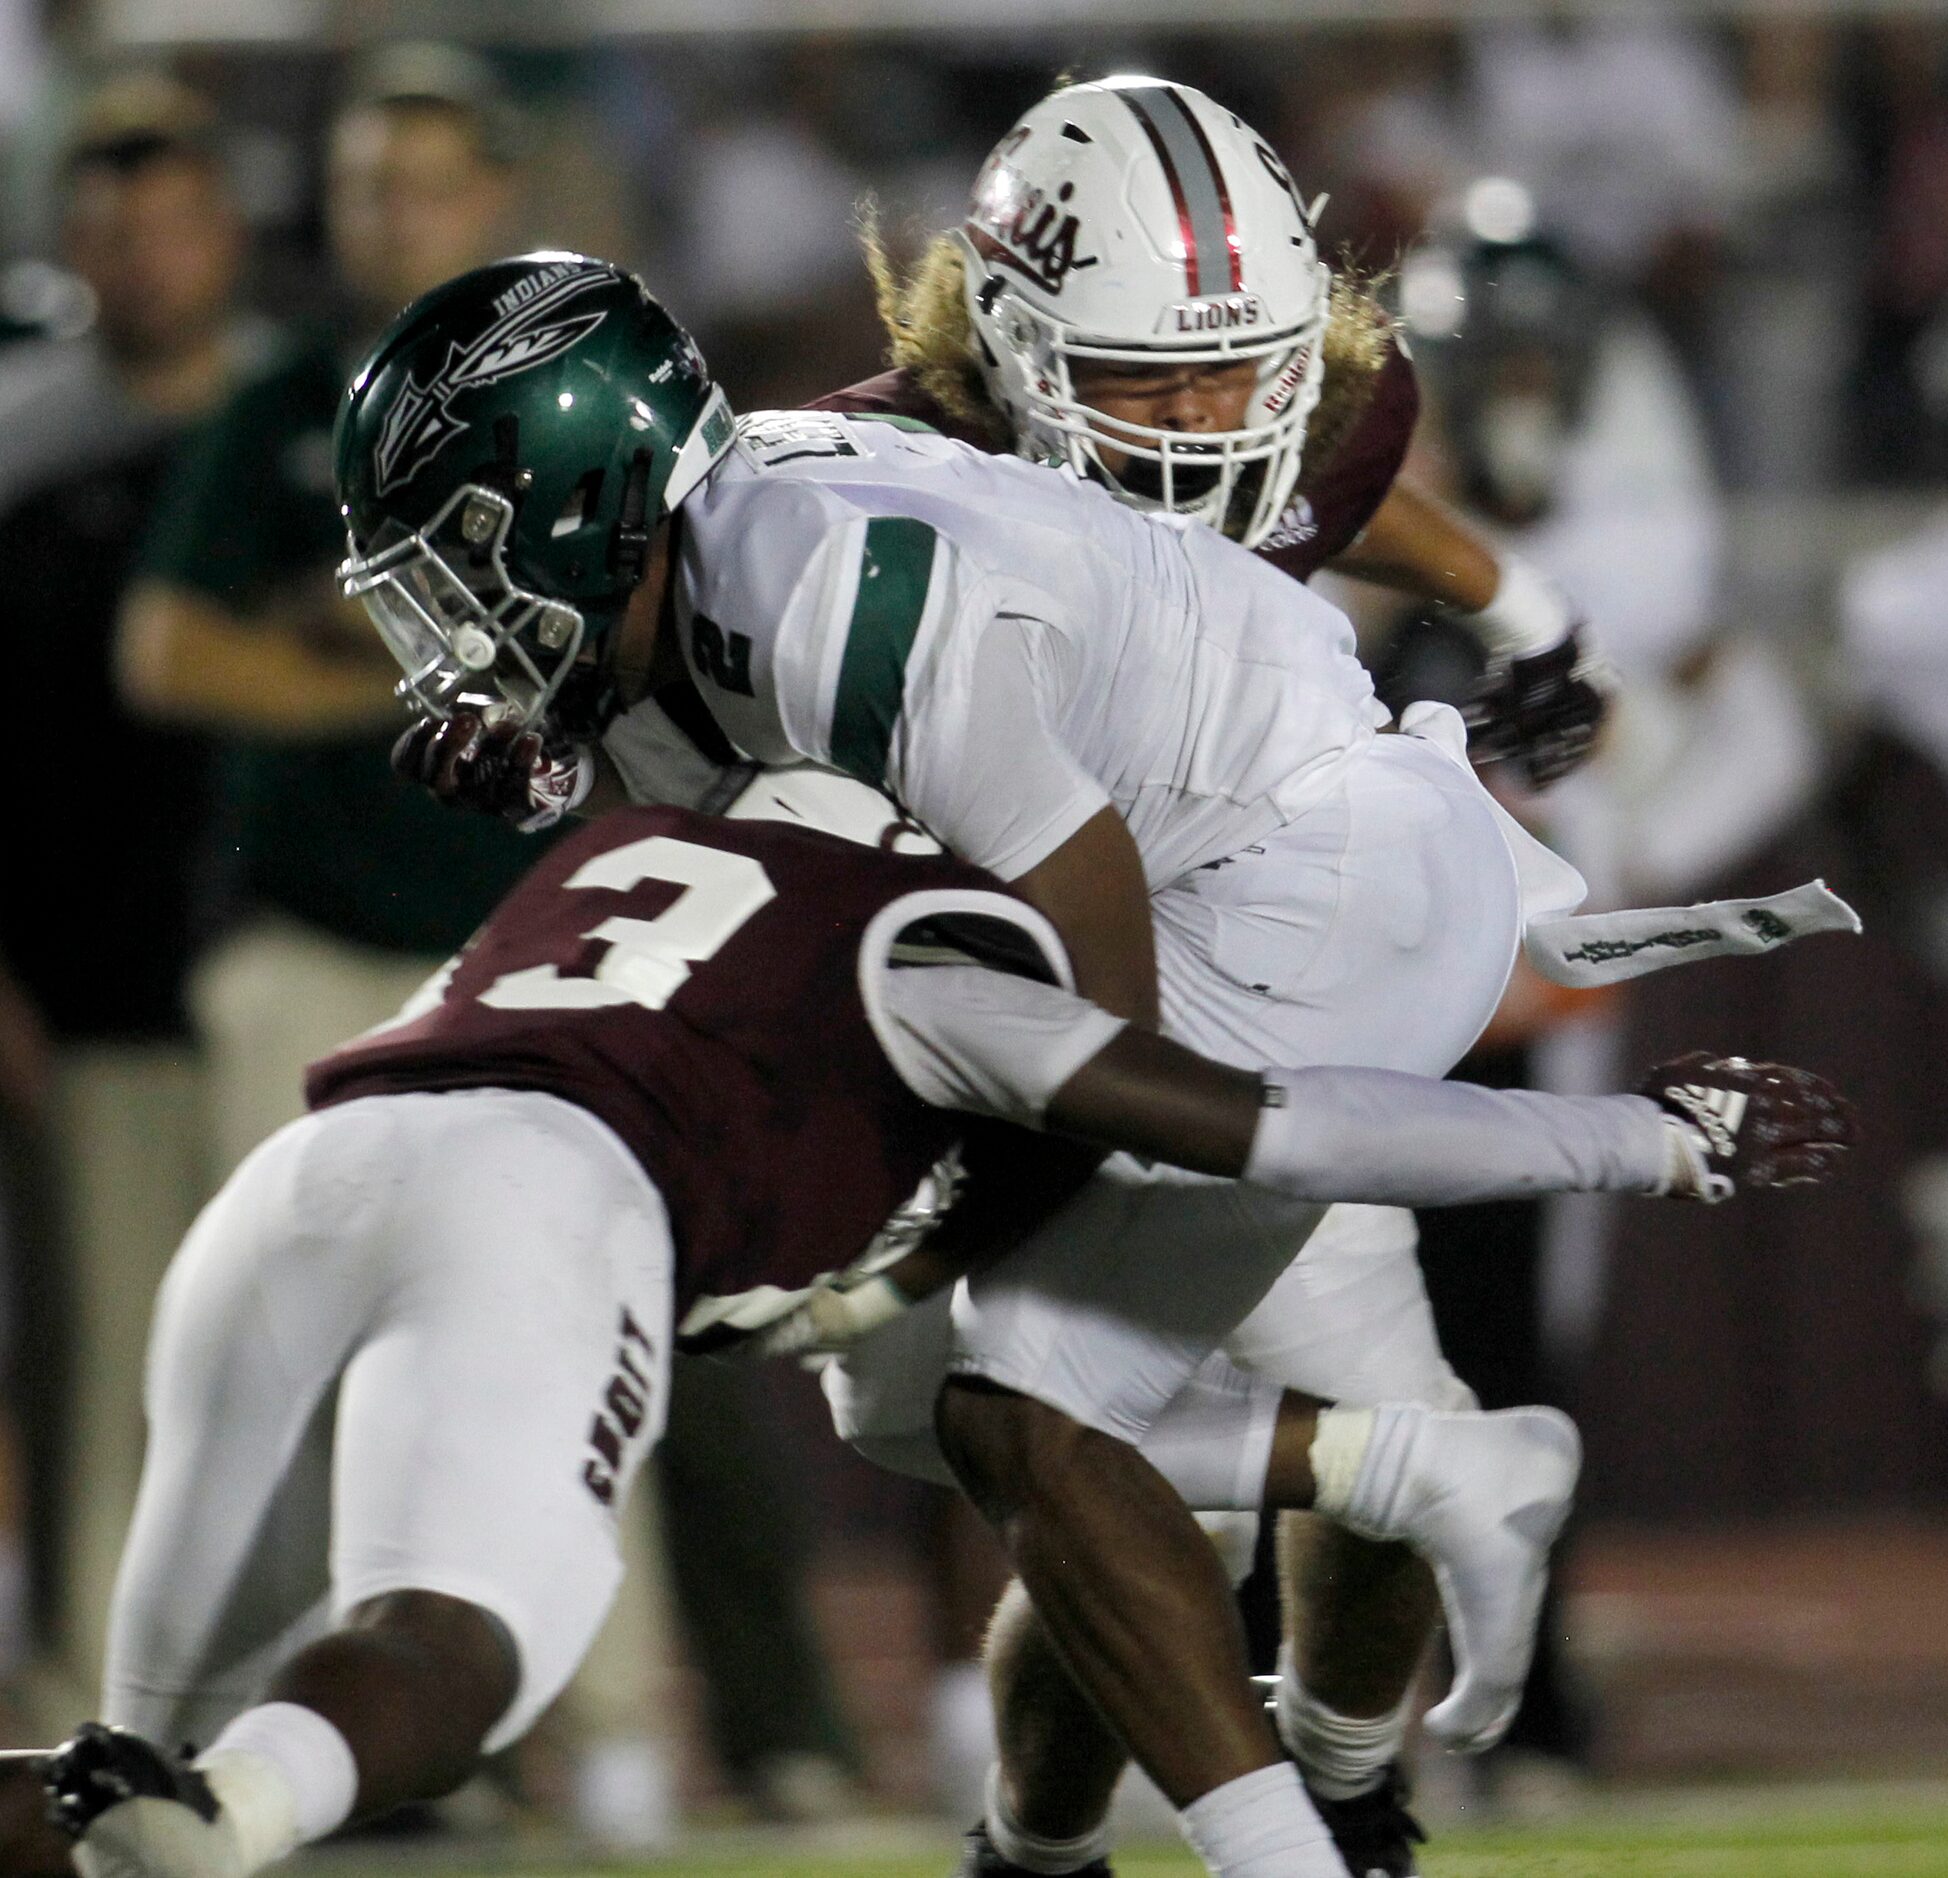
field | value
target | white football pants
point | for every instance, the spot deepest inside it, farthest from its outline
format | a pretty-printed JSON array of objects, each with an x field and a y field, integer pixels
[
  {"x": 1377, "y": 930},
  {"x": 418, "y": 1342}
]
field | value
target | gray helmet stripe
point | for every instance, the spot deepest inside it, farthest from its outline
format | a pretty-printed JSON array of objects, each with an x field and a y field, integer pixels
[{"x": 1194, "y": 180}]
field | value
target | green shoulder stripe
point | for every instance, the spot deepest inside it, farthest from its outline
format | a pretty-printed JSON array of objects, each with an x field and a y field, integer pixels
[
  {"x": 895, "y": 568},
  {"x": 898, "y": 419}
]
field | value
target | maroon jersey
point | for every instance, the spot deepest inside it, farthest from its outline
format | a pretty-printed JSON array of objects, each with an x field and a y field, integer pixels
[
  {"x": 695, "y": 983},
  {"x": 1335, "y": 499}
]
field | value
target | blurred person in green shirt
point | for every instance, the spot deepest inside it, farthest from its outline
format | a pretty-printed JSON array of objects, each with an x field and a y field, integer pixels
[{"x": 341, "y": 892}]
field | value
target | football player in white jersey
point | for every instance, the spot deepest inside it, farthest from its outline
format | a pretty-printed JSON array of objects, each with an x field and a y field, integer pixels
[{"x": 1121, "y": 714}]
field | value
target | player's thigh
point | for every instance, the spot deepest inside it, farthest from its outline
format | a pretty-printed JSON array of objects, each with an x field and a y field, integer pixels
[
  {"x": 1377, "y": 929},
  {"x": 490, "y": 1426},
  {"x": 1107, "y": 1312},
  {"x": 1349, "y": 1320}
]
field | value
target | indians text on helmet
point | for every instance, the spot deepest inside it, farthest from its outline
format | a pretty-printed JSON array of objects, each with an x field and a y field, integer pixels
[{"x": 529, "y": 327}]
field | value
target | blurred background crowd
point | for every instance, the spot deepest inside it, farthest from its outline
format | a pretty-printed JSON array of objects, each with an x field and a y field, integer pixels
[{"x": 1677, "y": 287}]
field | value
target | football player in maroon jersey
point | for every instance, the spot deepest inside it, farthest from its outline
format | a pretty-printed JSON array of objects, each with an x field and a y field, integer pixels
[
  {"x": 1137, "y": 293},
  {"x": 711, "y": 1081}
]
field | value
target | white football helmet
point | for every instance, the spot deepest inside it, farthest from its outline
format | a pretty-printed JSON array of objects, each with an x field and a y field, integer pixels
[{"x": 1139, "y": 222}]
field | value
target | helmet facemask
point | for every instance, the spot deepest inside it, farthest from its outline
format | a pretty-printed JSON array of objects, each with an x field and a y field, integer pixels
[
  {"x": 464, "y": 631},
  {"x": 1238, "y": 481}
]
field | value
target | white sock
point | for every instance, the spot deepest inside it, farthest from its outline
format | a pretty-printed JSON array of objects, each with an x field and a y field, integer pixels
[
  {"x": 1051, "y": 1857},
  {"x": 1261, "y": 1825},
  {"x": 284, "y": 1776},
  {"x": 1359, "y": 1465},
  {"x": 1339, "y": 1442},
  {"x": 1342, "y": 1755}
]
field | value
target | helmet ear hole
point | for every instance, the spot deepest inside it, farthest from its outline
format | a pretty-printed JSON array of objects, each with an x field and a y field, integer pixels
[
  {"x": 583, "y": 501},
  {"x": 629, "y": 552}
]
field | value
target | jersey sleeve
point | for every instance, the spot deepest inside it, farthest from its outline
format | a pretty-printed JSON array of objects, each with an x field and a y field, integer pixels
[
  {"x": 968, "y": 994},
  {"x": 978, "y": 760},
  {"x": 932, "y": 691}
]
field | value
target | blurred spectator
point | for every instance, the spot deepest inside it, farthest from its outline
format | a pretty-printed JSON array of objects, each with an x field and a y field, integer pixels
[
  {"x": 95, "y": 934},
  {"x": 345, "y": 889},
  {"x": 1778, "y": 348},
  {"x": 771, "y": 273},
  {"x": 1626, "y": 131},
  {"x": 1902, "y": 433}
]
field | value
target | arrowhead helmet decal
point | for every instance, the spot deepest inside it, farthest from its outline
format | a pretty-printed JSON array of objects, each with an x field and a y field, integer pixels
[{"x": 530, "y": 327}]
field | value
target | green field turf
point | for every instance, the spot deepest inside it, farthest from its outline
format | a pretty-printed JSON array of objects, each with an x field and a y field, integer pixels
[{"x": 1888, "y": 1837}]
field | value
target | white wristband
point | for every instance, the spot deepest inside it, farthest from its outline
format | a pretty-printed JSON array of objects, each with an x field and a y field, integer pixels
[
  {"x": 1528, "y": 614},
  {"x": 1689, "y": 1174}
]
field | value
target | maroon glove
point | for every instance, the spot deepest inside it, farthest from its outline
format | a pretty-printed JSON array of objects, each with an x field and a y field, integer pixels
[
  {"x": 497, "y": 769},
  {"x": 1540, "y": 712},
  {"x": 1742, "y": 1125}
]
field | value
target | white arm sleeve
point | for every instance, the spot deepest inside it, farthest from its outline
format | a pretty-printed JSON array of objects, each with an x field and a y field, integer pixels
[
  {"x": 978, "y": 762},
  {"x": 965, "y": 1037},
  {"x": 1390, "y": 1139}
]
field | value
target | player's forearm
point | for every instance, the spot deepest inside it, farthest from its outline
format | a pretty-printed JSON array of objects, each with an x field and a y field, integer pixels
[
  {"x": 1359, "y": 1134},
  {"x": 1419, "y": 546},
  {"x": 1397, "y": 1140},
  {"x": 186, "y": 660},
  {"x": 1029, "y": 1053}
]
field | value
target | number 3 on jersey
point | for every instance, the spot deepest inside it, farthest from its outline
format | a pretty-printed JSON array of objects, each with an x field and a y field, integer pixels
[{"x": 647, "y": 960}]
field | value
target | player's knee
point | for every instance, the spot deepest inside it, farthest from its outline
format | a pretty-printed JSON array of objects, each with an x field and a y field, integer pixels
[{"x": 1005, "y": 1448}]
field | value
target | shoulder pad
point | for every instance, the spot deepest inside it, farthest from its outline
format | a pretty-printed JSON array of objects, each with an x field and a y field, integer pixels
[{"x": 989, "y": 940}]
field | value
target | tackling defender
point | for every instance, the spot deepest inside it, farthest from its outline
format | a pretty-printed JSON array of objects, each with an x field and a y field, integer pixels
[
  {"x": 547, "y": 496},
  {"x": 410, "y": 1360}
]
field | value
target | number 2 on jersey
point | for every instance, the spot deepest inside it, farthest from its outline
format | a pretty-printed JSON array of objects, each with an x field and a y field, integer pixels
[{"x": 647, "y": 960}]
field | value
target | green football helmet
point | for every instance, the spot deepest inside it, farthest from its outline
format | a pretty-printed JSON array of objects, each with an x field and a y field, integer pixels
[{"x": 504, "y": 457}]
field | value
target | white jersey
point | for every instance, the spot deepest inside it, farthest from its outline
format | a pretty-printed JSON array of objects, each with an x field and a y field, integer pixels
[{"x": 1006, "y": 650}]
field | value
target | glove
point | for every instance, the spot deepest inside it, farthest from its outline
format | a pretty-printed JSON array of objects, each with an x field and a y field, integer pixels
[
  {"x": 499, "y": 769},
  {"x": 1541, "y": 712},
  {"x": 1735, "y": 1125},
  {"x": 832, "y": 1318}
]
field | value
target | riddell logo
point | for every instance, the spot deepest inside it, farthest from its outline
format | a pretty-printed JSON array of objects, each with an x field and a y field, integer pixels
[
  {"x": 1288, "y": 381},
  {"x": 1218, "y": 316}
]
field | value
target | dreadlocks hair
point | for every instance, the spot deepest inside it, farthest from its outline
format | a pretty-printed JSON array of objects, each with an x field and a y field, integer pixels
[
  {"x": 928, "y": 332},
  {"x": 930, "y": 336}
]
